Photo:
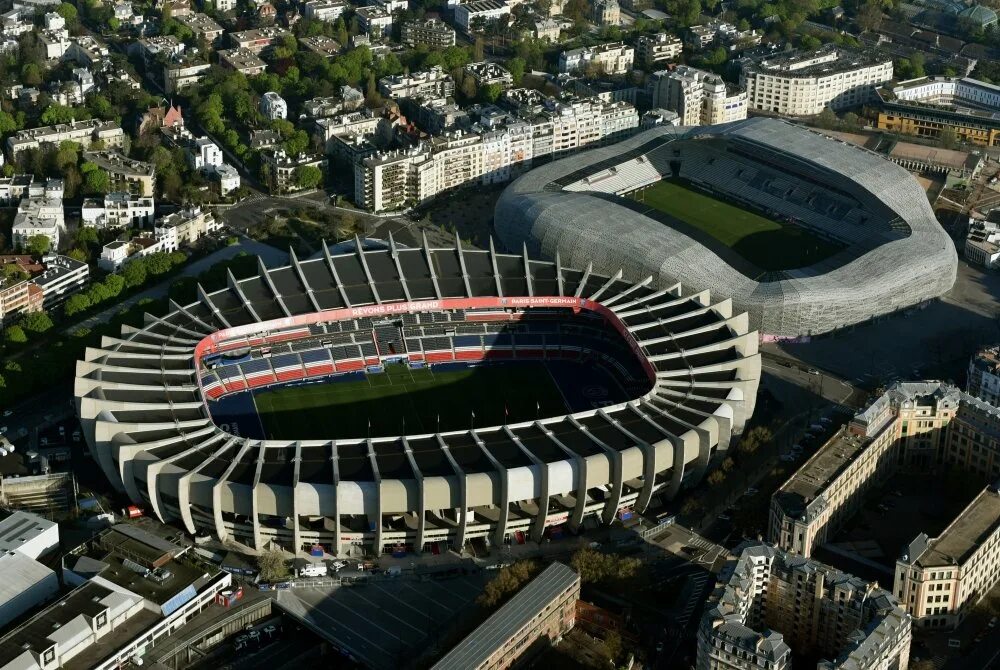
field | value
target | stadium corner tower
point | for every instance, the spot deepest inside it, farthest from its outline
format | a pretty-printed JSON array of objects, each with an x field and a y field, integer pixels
[
  {"x": 892, "y": 253},
  {"x": 679, "y": 372}
]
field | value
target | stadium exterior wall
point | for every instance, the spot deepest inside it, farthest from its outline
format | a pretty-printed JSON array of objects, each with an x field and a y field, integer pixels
[
  {"x": 146, "y": 424},
  {"x": 867, "y": 281}
]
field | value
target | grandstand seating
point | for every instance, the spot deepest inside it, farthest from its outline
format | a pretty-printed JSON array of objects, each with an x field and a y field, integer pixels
[{"x": 541, "y": 334}]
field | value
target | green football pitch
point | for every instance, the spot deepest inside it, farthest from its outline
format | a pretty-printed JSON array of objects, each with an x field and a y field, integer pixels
[
  {"x": 403, "y": 399},
  {"x": 767, "y": 244}
]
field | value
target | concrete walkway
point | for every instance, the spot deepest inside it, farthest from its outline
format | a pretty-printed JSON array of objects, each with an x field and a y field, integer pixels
[{"x": 272, "y": 258}]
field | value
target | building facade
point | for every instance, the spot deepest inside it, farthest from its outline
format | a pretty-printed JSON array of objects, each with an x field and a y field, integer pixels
[
  {"x": 434, "y": 33},
  {"x": 185, "y": 227},
  {"x": 983, "y": 378},
  {"x": 927, "y": 106},
  {"x": 125, "y": 175},
  {"x": 654, "y": 51},
  {"x": 804, "y": 83},
  {"x": 612, "y": 58},
  {"x": 698, "y": 97},
  {"x": 769, "y": 603}
]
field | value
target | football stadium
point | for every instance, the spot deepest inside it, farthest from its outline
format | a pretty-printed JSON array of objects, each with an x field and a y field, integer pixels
[
  {"x": 417, "y": 399},
  {"x": 805, "y": 233}
]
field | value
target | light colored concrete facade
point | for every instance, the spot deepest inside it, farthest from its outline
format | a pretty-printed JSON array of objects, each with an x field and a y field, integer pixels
[
  {"x": 700, "y": 98},
  {"x": 165, "y": 452},
  {"x": 983, "y": 377},
  {"x": 803, "y": 83}
]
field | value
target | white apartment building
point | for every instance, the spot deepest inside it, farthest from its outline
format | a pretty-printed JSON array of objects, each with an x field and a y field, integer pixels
[
  {"x": 324, "y": 10},
  {"x": 39, "y": 215},
  {"x": 655, "y": 50},
  {"x": 983, "y": 378},
  {"x": 228, "y": 176},
  {"x": 700, "y": 98},
  {"x": 803, "y": 83},
  {"x": 769, "y": 603},
  {"x": 116, "y": 210},
  {"x": 374, "y": 21},
  {"x": 63, "y": 276},
  {"x": 393, "y": 6},
  {"x": 487, "y": 73},
  {"x": 284, "y": 168},
  {"x": 469, "y": 14},
  {"x": 184, "y": 227},
  {"x": 82, "y": 132},
  {"x": 273, "y": 106},
  {"x": 611, "y": 58},
  {"x": 434, "y": 83},
  {"x": 203, "y": 153},
  {"x": 982, "y": 243},
  {"x": 396, "y": 180}
]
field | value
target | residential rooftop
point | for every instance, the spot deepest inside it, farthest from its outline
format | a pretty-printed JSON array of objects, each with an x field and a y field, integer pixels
[
  {"x": 967, "y": 532},
  {"x": 826, "y": 60}
]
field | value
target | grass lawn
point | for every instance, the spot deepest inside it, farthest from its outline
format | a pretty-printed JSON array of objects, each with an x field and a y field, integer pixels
[
  {"x": 414, "y": 398},
  {"x": 768, "y": 244}
]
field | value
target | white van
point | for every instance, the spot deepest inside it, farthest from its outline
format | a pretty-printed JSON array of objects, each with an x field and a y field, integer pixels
[{"x": 313, "y": 570}]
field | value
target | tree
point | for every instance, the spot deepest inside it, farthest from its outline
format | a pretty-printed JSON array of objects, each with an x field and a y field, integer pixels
[
  {"x": 158, "y": 263},
  {"x": 96, "y": 182},
  {"x": 14, "y": 335},
  {"x": 272, "y": 566},
  {"x": 948, "y": 139},
  {"x": 612, "y": 645},
  {"x": 39, "y": 245},
  {"x": 78, "y": 254},
  {"x": 507, "y": 582},
  {"x": 36, "y": 322},
  {"x": 31, "y": 75},
  {"x": 77, "y": 303},
  {"x": 8, "y": 123},
  {"x": 826, "y": 119},
  {"x": 870, "y": 16},
  {"x": 115, "y": 284},
  {"x": 717, "y": 477},
  {"x": 596, "y": 566},
  {"x": 68, "y": 12},
  {"x": 134, "y": 273},
  {"x": 516, "y": 66},
  {"x": 307, "y": 176}
]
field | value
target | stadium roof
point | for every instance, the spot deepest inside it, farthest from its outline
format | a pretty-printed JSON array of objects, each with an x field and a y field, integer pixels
[
  {"x": 496, "y": 631},
  {"x": 897, "y": 255},
  {"x": 141, "y": 397}
]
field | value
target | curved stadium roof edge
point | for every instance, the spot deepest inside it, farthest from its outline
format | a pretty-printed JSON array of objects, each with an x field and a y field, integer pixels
[{"x": 143, "y": 400}]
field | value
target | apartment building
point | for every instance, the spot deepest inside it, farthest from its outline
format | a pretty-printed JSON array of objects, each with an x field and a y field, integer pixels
[
  {"x": 982, "y": 244},
  {"x": 926, "y": 106},
  {"x": 904, "y": 426},
  {"x": 258, "y": 39},
  {"x": 374, "y": 21},
  {"x": 433, "y": 33},
  {"x": 242, "y": 60},
  {"x": 606, "y": 12},
  {"x": 491, "y": 152},
  {"x": 488, "y": 74},
  {"x": 983, "y": 379},
  {"x": 203, "y": 26},
  {"x": 802, "y": 83},
  {"x": 39, "y": 215},
  {"x": 283, "y": 168},
  {"x": 545, "y": 609},
  {"x": 938, "y": 580},
  {"x": 125, "y": 174},
  {"x": 769, "y": 604},
  {"x": 109, "y": 133},
  {"x": 19, "y": 295},
  {"x": 434, "y": 83},
  {"x": 653, "y": 51},
  {"x": 116, "y": 210},
  {"x": 700, "y": 98},
  {"x": 184, "y": 227},
  {"x": 324, "y": 10},
  {"x": 719, "y": 33},
  {"x": 204, "y": 153},
  {"x": 273, "y": 106},
  {"x": 611, "y": 58},
  {"x": 62, "y": 277},
  {"x": 184, "y": 71},
  {"x": 472, "y": 13}
]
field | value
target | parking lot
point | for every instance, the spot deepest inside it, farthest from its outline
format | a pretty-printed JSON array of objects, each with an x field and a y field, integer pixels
[
  {"x": 391, "y": 623},
  {"x": 894, "y": 514}
]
